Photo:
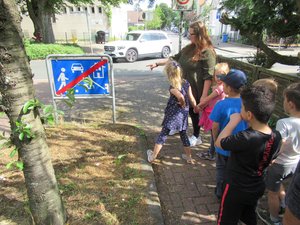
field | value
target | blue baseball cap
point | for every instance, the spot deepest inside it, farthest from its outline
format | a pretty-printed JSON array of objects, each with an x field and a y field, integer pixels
[{"x": 235, "y": 78}]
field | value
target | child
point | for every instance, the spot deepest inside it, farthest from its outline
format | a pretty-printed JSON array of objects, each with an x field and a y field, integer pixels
[
  {"x": 292, "y": 212},
  {"x": 267, "y": 82},
  {"x": 251, "y": 152},
  {"x": 286, "y": 162},
  {"x": 217, "y": 94},
  {"x": 233, "y": 82},
  {"x": 176, "y": 112}
]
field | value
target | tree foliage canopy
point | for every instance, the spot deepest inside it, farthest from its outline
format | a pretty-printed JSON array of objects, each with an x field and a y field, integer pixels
[{"x": 276, "y": 18}]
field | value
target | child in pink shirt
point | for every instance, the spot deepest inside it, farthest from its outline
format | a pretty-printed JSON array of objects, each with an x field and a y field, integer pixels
[{"x": 206, "y": 106}]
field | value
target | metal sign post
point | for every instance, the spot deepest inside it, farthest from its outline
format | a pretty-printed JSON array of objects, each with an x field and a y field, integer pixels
[
  {"x": 182, "y": 5},
  {"x": 66, "y": 71}
]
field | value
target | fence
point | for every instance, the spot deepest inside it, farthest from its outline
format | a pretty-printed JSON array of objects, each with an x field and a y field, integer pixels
[{"x": 256, "y": 72}]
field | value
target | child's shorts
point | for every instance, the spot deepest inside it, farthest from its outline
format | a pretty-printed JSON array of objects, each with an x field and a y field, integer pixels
[{"x": 276, "y": 174}]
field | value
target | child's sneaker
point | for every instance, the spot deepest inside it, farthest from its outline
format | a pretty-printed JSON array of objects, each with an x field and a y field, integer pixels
[
  {"x": 195, "y": 141},
  {"x": 189, "y": 160},
  {"x": 264, "y": 216},
  {"x": 211, "y": 158},
  {"x": 150, "y": 156},
  {"x": 203, "y": 155},
  {"x": 206, "y": 156}
]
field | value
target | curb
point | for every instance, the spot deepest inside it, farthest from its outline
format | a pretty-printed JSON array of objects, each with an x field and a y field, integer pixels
[{"x": 152, "y": 197}]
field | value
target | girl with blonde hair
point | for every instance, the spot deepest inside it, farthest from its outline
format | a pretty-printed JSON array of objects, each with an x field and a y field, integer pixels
[
  {"x": 197, "y": 61},
  {"x": 176, "y": 112}
]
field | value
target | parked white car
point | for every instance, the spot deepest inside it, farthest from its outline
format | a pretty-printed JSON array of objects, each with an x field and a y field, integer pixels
[{"x": 139, "y": 44}]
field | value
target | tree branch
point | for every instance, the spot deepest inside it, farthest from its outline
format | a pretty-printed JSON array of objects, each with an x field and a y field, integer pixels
[{"x": 283, "y": 59}]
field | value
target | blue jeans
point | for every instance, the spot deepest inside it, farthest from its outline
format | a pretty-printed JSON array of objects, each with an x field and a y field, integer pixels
[{"x": 221, "y": 162}]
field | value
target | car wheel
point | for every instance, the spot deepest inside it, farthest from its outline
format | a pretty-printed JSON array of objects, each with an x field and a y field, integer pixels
[
  {"x": 131, "y": 55},
  {"x": 165, "y": 52}
]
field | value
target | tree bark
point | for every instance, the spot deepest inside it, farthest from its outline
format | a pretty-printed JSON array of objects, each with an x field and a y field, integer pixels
[
  {"x": 16, "y": 88},
  {"x": 41, "y": 19}
]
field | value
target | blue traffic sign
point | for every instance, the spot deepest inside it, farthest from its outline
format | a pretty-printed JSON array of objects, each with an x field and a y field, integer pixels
[{"x": 67, "y": 70}]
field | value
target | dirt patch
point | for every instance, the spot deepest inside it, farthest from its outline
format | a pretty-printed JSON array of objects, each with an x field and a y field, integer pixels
[{"x": 98, "y": 168}]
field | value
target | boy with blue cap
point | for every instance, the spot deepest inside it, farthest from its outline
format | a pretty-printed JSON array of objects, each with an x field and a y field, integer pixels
[{"x": 233, "y": 83}]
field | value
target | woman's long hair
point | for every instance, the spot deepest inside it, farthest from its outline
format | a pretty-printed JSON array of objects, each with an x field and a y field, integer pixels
[
  {"x": 203, "y": 41},
  {"x": 174, "y": 74}
]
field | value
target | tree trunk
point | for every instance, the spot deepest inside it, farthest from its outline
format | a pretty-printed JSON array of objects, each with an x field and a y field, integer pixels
[
  {"x": 16, "y": 87},
  {"x": 41, "y": 19}
]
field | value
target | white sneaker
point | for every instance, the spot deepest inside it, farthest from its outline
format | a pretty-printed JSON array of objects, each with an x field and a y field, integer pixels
[
  {"x": 150, "y": 156},
  {"x": 195, "y": 141},
  {"x": 189, "y": 160},
  {"x": 172, "y": 132},
  {"x": 199, "y": 141}
]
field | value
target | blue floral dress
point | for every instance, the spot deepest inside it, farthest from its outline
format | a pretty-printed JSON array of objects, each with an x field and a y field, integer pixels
[{"x": 176, "y": 117}]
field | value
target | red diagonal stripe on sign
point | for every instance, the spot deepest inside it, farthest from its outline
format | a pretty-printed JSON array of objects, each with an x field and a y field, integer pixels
[{"x": 81, "y": 76}]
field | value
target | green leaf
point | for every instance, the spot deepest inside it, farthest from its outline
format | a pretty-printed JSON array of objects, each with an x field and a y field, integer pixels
[
  {"x": 28, "y": 105},
  {"x": 21, "y": 136},
  {"x": 70, "y": 104},
  {"x": 9, "y": 165},
  {"x": 50, "y": 121},
  {"x": 13, "y": 152},
  {"x": 20, "y": 165},
  {"x": 59, "y": 112},
  {"x": 123, "y": 156},
  {"x": 48, "y": 109},
  {"x": 28, "y": 126},
  {"x": 18, "y": 123}
]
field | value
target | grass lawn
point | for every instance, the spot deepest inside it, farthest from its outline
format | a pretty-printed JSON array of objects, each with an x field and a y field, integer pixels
[{"x": 98, "y": 167}]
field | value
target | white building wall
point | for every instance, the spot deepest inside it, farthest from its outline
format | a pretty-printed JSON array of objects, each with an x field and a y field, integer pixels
[
  {"x": 119, "y": 26},
  {"x": 73, "y": 24}
]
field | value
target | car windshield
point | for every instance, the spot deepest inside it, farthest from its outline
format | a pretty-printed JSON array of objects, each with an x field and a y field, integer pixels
[{"x": 132, "y": 36}]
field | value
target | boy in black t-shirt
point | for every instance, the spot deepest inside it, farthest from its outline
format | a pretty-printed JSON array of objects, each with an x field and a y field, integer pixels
[{"x": 251, "y": 152}]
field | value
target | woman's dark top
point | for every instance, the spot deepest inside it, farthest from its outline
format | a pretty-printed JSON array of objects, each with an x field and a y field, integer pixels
[{"x": 196, "y": 72}]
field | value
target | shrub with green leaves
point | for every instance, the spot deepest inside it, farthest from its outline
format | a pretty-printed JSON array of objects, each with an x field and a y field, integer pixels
[{"x": 40, "y": 50}]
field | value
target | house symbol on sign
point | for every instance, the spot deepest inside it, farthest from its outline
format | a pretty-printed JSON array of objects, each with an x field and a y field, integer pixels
[{"x": 99, "y": 73}]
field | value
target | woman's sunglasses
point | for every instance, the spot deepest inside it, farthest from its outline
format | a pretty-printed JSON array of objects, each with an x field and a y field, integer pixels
[{"x": 219, "y": 76}]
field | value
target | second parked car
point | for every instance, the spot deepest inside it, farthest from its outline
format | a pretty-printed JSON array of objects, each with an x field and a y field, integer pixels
[{"x": 138, "y": 44}]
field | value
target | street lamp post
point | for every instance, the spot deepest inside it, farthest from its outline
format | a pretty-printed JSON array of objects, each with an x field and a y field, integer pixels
[
  {"x": 89, "y": 29},
  {"x": 180, "y": 29}
]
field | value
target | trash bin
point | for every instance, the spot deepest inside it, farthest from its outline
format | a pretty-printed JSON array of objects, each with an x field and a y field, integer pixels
[
  {"x": 225, "y": 38},
  {"x": 100, "y": 37}
]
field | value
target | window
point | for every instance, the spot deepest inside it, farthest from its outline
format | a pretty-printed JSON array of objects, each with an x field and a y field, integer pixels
[
  {"x": 162, "y": 37},
  {"x": 99, "y": 9},
  {"x": 93, "y": 9},
  {"x": 132, "y": 36},
  {"x": 64, "y": 10},
  {"x": 78, "y": 9},
  {"x": 147, "y": 37},
  {"x": 71, "y": 9},
  {"x": 85, "y": 9}
]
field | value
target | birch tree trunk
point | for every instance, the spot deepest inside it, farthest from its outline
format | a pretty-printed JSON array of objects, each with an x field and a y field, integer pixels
[{"x": 16, "y": 87}]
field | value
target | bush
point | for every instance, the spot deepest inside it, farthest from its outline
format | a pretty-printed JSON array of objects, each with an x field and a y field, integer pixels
[
  {"x": 40, "y": 50},
  {"x": 132, "y": 28}
]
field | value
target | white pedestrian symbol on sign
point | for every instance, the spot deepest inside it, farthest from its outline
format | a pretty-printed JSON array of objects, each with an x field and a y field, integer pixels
[{"x": 62, "y": 77}]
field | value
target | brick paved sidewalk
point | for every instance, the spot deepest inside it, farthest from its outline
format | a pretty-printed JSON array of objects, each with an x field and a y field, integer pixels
[{"x": 186, "y": 191}]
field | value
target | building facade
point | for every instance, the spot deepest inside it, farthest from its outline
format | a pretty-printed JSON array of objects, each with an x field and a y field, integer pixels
[{"x": 80, "y": 23}]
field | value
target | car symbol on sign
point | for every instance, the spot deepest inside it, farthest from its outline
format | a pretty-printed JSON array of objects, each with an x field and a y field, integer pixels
[{"x": 77, "y": 67}]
